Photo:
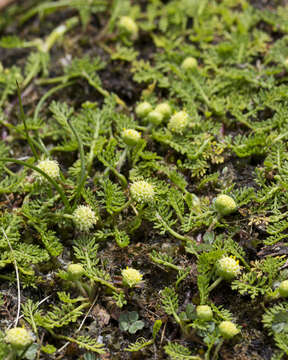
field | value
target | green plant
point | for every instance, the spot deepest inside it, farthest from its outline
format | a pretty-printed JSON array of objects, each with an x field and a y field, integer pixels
[{"x": 133, "y": 118}]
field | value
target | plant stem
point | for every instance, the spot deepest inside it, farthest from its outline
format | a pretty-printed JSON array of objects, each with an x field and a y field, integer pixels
[
  {"x": 126, "y": 205},
  {"x": 173, "y": 232},
  {"x": 46, "y": 95},
  {"x": 215, "y": 355},
  {"x": 92, "y": 147},
  {"x": 215, "y": 283},
  {"x": 23, "y": 118}
]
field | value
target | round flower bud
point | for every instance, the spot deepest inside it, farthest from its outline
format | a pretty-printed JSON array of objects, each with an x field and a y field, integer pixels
[
  {"x": 131, "y": 137},
  {"x": 228, "y": 268},
  {"x": 155, "y": 117},
  {"x": 225, "y": 205},
  {"x": 19, "y": 338},
  {"x": 129, "y": 27},
  {"x": 228, "y": 329},
  {"x": 164, "y": 109},
  {"x": 50, "y": 167},
  {"x": 143, "y": 109},
  {"x": 283, "y": 289},
  {"x": 131, "y": 277},
  {"x": 204, "y": 312},
  {"x": 141, "y": 191},
  {"x": 190, "y": 63},
  {"x": 84, "y": 217},
  {"x": 178, "y": 122},
  {"x": 75, "y": 271}
]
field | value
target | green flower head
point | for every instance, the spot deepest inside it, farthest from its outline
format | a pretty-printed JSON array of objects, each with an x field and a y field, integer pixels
[
  {"x": 224, "y": 205},
  {"x": 75, "y": 271},
  {"x": 128, "y": 26},
  {"x": 18, "y": 337},
  {"x": 178, "y": 122},
  {"x": 228, "y": 329},
  {"x": 204, "y": 312},
  {"x": 84, "y": 217},
  {"x": 131, "y": 137},
  {"x": 164, "y": 109},
  {"x": 155, "y": 117},
  {"x": 142, "y": 192},
  {"x": 228, "y": 267},
  {"x": 190, "y": 63},
  {"x": 143, "y": 109},
  {"x": 283, "y": 289},
  {"x": 131, "y": 277},
  {"x": 49, "y": 167}
]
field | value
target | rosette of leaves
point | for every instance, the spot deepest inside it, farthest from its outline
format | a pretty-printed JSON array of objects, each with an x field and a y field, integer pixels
[{"x": 128, "y": 321}]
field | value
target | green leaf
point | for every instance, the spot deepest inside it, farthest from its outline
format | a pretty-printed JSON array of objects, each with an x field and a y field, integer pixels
[
  {"x": 156, "y": 328},
  {"x": 137, "y": 325}
]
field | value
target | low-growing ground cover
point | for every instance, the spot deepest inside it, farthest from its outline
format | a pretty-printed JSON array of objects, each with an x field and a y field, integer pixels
[{"x": 144, "y": 177}]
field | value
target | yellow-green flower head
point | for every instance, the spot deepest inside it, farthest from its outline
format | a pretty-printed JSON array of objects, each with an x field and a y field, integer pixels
[
  {"x": 228, "y": 267},
  {"x": 225, "y": 205},
  {"x": 84, "y": 217},
  {"x": 283, "y": 289},
  {"x": 155, "y": 117},
  {"x": 142, "y": 192},
  {"x": 18, "y": 338},
  {"x": 178, "y": 122},
  {"x": 228, "y": 329},
  {"x": 50, "y": 167},
  {"x": 204, "y": 312},
  {"x": 131, "y": 137},
  {"x": 190, "y": 63},
  {"x": 164, "y": 109},
  {"x": 129, "y": 26},
  {"x": 131, "y": 277},
  {"x": 143, "y": 109},
  {"x": 75, "y": 271}
]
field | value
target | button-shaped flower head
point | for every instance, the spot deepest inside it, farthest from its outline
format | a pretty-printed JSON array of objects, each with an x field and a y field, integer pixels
[
  {"x": 84, "y": 217},
  {"x": 49, "y": 167},
  {"x": 283, "y": 289},
  {"x": 75, "y": 271},
  {"x": 204, "y": 312},
  {"x": 18, "y": 338},
  {"x": 155, "y": 117},
  {"x": 128, "y": 26},
  {"x": 178, "y": 122},
  {"x": 190, "y": 63},
  {"x": 142, "y": 192},
  {"x": 228, "y": 329},
  {"x": 164, "y": 109},
  {"x": 131, "y": 277},
  {"x": 143, "y": 109},
  {"x": 228, "y": 267},
  {"x": 225, "y": 205},
  {"x": 131, "y": 137}
]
